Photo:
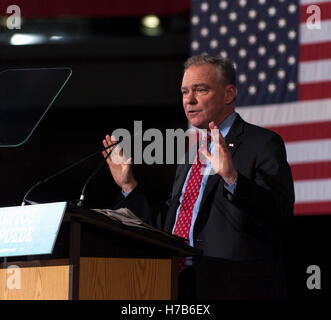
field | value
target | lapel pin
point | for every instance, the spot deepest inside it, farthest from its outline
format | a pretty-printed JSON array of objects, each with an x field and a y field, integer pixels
[{"x": 231, "y": 145}]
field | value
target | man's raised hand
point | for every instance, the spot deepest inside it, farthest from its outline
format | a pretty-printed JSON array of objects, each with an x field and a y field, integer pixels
[
  {"x": 221, "y": 161},
  {"x": 120, "y": 168}
]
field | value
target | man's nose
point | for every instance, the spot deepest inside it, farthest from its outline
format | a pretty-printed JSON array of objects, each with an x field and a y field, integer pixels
[{"x": 191, "y": 98}]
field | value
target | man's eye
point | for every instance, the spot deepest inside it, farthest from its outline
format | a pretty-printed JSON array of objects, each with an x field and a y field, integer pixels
[
  {"x": 201, "y": 90},
  {"x": 184, "y": 93}
]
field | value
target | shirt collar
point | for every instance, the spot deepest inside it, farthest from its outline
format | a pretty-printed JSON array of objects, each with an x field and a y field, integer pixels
[{"x": 226, "y": 124}]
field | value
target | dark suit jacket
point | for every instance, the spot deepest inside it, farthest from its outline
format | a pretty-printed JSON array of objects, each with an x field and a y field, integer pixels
[{"x": 246, "y": 226}]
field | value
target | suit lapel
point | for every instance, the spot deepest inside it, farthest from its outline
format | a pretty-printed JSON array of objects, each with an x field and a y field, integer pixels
[
  {"x": 180, "y": 179},
  {"x": 232, "y": 138}
]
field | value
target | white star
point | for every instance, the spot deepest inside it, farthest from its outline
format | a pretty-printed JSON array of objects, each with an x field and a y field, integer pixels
[
  {"x": 204, "y": 6},
  {"x": 291, "y": 60},
  {"x": 271, "y": 62},
  {"x": 251, "y": 64},
  {"x": 292, "y": 34},
  {"x": 281, "y": 48},
  {"x": 281, "y": 22},
  {"x": 213, "y": 43},
  {"x": 223, "y": 54},
  {"x": 213, "y": 18},
  {"x": 223, "y": 5},
  {"x": 272, "y": 36},
  {"x": 252, "y": 14},
  {"x": 292, "y": 8},
  {"x": 262, "y": 25},
  {"x": 262, "y": 1},
  {"x": 262, "y": 76},
  {"x": 204, "y": 32},
  {"x": 272, "y": 11},
  {"x": 233, "y": 42},
  {"x": 195, "y": 20},
  {"x": 242, "y": 53},
  {"x": 233, "y": 16},
  {"x": 271, "y": 87},
  {"x": 242, "y": 3},
  {"x": 262, "y": 51},
  {"x": 291, "y": 86},
  {"x": 195, "y": 45},
  {"x": 252, "y": 39},
  {"x": 281, "y": 73},
  {"x": 252, "y": 90},
  {"x": 223, "y": 29},
  {"x": 242, "y": 27},
  {"x": 242, "y": 78}
]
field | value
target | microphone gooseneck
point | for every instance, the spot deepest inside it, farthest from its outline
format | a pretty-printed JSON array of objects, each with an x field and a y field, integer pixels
[
  {"x": 66, "y": 169},
  {"x": 97, "y": 169},
  {"x": 92, "y": 175}
]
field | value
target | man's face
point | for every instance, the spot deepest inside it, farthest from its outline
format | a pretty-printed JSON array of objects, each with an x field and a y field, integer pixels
[{"x": 205, "y": 98}]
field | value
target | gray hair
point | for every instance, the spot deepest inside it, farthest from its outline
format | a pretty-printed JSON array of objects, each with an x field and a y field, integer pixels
[{"x": 224, "y": 66}]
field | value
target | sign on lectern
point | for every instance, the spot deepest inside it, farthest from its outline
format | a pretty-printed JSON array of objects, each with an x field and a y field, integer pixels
[{"x": 30, "y": 230}]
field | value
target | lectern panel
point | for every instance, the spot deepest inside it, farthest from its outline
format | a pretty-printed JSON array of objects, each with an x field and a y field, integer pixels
[
  {"x": 125, "y": 279},
  {"x": 35, "y": 280}
]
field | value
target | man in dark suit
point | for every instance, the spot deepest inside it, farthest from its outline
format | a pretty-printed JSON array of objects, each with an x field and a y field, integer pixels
[{"x": 239, "y": 212}]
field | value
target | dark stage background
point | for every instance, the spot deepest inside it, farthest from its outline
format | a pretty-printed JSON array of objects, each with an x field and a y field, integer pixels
[{"x": 120, "y": 74}]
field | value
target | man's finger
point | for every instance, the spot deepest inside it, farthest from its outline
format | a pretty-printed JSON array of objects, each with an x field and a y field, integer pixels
[
  {"x": 105, "y": 143},
  {"x": 129, "y": 161},
  {"x": 113, "y": 139},
  {"x": 206, "y": 154},
  {"x": 212, "y": 125},
  {"x": 108, "y": 139},
  {"x": 105, "y": 152}
]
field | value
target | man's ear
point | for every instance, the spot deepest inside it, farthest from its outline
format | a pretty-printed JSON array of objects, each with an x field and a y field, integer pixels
[{"x": 230, "y": 93}]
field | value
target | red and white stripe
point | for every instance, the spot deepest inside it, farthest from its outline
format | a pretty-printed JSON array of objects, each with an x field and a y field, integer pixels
[{"x": 305, "y": 125}]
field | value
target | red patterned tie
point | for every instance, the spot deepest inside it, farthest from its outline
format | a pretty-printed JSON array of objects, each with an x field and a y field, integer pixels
[{"x": 190, "y": 196}]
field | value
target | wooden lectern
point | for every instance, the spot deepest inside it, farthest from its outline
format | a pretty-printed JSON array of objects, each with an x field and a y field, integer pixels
[{"x": 96, "y": 257}]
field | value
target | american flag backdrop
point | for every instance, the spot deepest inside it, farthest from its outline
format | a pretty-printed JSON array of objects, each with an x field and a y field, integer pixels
[{"x": 283, "y": 61}]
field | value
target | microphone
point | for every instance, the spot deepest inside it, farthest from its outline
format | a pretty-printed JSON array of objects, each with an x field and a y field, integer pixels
[
  {"x": 67, "y": 169},
  {"x": 93, "y": 174},
  {"x": 97, "y": 169}
]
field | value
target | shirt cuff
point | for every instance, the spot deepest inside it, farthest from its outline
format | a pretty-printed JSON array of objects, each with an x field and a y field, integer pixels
[
  {"x": 231, "y": 188},
  {"x": 124, "y": 194}
]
